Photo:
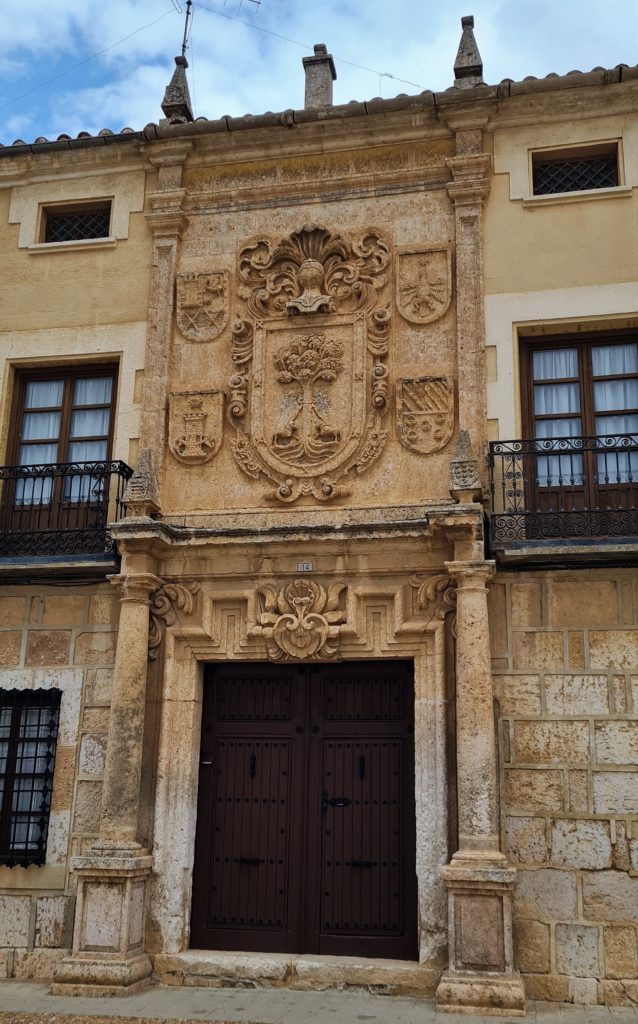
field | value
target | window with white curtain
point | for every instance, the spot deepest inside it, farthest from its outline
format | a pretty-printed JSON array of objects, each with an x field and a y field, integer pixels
[
  {"x": 63, "y": 418},
  {"x": 584, "y": 388}
]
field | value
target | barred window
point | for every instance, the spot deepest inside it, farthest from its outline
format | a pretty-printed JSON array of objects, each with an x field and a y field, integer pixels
[
  {"x": 577, "y": 172},
  {"x": 72, "y": 224},
  {"x": 28, "y": 733}
]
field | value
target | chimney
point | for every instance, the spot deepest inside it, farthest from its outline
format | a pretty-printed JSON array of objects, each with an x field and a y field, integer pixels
[
  {"x": 468, "y": 66},
  {"x": 320, "y": 74}
]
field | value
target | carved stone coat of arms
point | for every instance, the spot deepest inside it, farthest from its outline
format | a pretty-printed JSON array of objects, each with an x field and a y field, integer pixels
[
  {"x": 425, "y": 413},
  {"x": 202, "y": 305},
  {"x": 195, "y": 425},
  {"x": 309, "y": 395},
  {"x": 424, "y": 284}
]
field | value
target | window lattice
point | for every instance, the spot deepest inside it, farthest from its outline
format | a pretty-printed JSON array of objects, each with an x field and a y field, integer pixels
[
  {"x": 575, "y": 175},
  {"x": 72, "y": 227},
  {"x": 28, "y": 732}
]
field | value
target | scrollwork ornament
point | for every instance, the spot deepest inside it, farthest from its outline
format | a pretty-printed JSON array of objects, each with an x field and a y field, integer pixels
[
  {"x": 166, "y": 603},
  {"x": 435, "y": 592},
  {"x": 300, "y": 620}
]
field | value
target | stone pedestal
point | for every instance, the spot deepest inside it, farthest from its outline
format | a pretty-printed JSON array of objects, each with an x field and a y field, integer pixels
[
  {"x": 480, "y": 976},
  {"x": 108, "y": 955}
]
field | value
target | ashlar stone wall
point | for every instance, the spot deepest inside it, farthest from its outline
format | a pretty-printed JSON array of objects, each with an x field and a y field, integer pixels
[
  {"x": 565, "y": 670},
  {"x": 62, "y": 638}
]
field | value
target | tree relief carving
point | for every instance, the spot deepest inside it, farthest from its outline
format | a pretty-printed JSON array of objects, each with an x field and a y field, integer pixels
[
  {"x": 167, "y": 602},
  {"x": 309, "y": 391},
  {"x": 300, "y": 620}
]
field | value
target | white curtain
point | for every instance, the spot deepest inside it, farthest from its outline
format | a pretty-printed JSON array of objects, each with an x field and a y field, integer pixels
[{"x": 40, "y": 434}]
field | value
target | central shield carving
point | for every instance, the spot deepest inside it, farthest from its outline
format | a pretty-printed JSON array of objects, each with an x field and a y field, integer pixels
[{"x": 310, "y": 395}]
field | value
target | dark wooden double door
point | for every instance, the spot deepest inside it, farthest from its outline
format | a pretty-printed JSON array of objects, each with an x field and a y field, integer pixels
[{"x": 306, "y": 819}]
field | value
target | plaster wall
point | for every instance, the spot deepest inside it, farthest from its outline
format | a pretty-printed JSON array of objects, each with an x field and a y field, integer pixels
[
  {"x": 565, "y": 675},
  {"x": 64, "y": 639}
]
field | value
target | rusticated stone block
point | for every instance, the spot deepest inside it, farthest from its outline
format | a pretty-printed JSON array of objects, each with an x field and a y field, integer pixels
[
  {"x": 578, "y": 789},
  {"x": 536, "y": 652},
  {"x": 610, "y": 896},
  {"x": 619, "y": 993},
  {"x": 526, "y": 605},
  {"x": 47, "y": 647},
  {"x": 520, "y": 695},
  {"x": 576, "y": 694},
  {"x": 526, "y": 840},
  {"x": 546, "y": 893},
  {"x": 533, "y": 789},
  {"x": 615, "y": 650},
  {"x": 95, "y": 649},
  {"x": 553, "y": 988},
  {"x": 551, "y": 742},
  {"x": 14, "y": 920},
  {"x": 580, "y": 602},
  {"x": 50, "y": 920},
  {"x": 13, "y": 611},
  {"x": 621, "y": 952},
  {"x": 87, "y": 807},
  {"x": 60, "y": 610},
  {"x": 581, "y": 844},
  {"x": 92, "y": 754},
  {"x": 498, "y": 619},
  {"x": 575, "y": 650},
  {"x": 616, "y": 742},
  {"x": 10, "y": 641},
  {"x": 531, "y": 944},
  {"x": 619, "y": 695},
  {"x": 96, "y": 719},
  {"x": 615, "y": 791},
  {"x": 37, "y": 963},
  {"x": 102, "y": 684},
  {"x": 583, "y": 991},
  {"x": 103, "y": 610},
  {"x": 577, "y": 950},
  {"x": 63, "y": 776}
]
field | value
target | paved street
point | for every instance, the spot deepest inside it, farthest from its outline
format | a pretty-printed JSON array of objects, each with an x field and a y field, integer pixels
[{"x": 31, "y": 1003}]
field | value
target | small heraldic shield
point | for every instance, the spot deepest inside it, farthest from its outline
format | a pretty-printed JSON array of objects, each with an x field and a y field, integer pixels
[
  {"x": 424, "y": 284},
  {"x": 425, "y": 413},
  {"x": 202, "y": 305},
  {"x": 195, "y": 425}
]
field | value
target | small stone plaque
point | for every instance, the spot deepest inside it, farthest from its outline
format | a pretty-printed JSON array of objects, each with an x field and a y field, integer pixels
[{"x": 305, "y": 566}]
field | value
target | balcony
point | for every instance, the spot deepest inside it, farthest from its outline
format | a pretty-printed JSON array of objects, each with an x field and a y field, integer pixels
[
  {"x": 58, "y": 515},
  {"x": 564, "y": 499}
]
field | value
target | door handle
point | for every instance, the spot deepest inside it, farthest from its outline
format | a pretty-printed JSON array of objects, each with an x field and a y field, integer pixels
[{"x": 335, "y": 801}]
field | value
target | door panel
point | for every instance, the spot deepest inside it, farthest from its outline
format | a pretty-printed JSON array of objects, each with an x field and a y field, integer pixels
[{"x": 306, "y": 821}]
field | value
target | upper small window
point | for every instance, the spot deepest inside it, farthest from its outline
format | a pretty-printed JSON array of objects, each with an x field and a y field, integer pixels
[
  {"x": 76, "y": 223},
  {"x": 575, "y": 170}
]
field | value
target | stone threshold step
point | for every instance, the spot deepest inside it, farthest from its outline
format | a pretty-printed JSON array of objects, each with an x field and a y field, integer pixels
[{"x": 201, "y": 967}]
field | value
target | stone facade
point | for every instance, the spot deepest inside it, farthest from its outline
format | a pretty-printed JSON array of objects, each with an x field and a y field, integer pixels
[{"x": 330, "y": 339}]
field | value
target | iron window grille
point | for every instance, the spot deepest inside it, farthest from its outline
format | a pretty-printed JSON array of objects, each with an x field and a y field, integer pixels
[
  {"x": 28, "y": 734},
  {"x": 575, "y": 174},
  {"x": 77, "y": 225}
]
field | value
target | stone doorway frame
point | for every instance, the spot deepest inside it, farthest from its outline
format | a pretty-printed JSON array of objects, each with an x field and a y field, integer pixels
[{"x": 379, "y": 625}]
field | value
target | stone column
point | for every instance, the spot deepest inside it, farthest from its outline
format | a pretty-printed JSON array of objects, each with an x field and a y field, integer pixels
[
  {"x": 481, "y": 975},
  {"x": 108, "y": 956}
]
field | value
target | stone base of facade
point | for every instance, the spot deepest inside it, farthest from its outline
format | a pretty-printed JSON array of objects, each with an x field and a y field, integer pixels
[
  {"x": 95, "y": 976},
  {"x": 494, "y": 994}
]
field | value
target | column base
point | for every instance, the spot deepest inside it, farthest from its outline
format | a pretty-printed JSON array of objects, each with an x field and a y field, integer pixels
[
  {"x": 481, "y": 976},
  {"x": 95, "y": 976},
  {"x": 108, "y": 955},
  {"x": 486, "y": 994}
]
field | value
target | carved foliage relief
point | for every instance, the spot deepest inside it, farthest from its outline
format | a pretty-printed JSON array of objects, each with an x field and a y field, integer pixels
[
  {"x": 309, "y": 395},
  {"x": 300, "y": 620}
]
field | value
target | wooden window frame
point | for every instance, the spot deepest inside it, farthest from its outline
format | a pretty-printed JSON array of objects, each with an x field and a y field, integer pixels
[{"x": 17, "y": 701}]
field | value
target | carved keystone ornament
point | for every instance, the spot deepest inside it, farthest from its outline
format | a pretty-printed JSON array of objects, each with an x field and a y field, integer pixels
[
  {"x": 424, "y": 284},
  {"x": 195, "y": 425},
  {"x": 301, "y": 620},
  {"x": 202, "y": 305},
  {"x": 309, "y": 394},
  {"x": 425, "y": 413}
]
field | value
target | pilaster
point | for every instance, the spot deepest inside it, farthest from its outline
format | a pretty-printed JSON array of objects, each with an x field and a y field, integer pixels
[
  {"x": 108, "y": 956},
  {"x": 480, "y": 976}
]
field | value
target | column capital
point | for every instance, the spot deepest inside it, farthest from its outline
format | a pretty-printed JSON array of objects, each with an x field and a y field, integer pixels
[
  {"x": 471, "y": 575},
  {"x": 136, "y": 586}
]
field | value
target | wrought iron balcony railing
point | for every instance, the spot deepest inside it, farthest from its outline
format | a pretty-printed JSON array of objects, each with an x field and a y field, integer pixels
[
  {"x": 570, "y": 488},
  {"x": 60, "y": 509}
]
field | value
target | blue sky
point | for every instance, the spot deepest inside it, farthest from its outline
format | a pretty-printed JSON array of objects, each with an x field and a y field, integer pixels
[{"x": 239, "y": 64}]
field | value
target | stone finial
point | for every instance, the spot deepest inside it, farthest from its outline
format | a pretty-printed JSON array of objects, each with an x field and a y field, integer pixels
[
  {"x": 465, "y": 482},
  {"x": 177, "y": 101},
  {"x": 468, "y": 66},
  {"x": 320, "y": 74},
  {"x": 141, "y": 496}
]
